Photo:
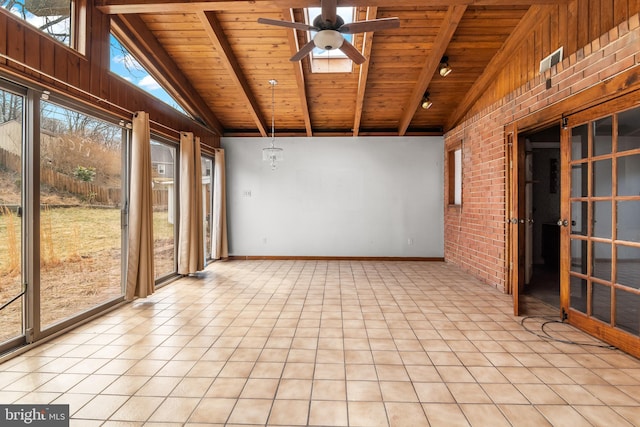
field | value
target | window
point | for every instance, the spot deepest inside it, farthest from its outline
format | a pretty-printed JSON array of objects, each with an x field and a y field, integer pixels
[
  {"x": 126, "y": 66},
  {"x": 455, "y": 176},
  {"x": 52, "y": 17}
]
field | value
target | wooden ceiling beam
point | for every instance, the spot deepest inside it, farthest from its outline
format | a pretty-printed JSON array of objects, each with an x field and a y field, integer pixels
[
  {"x": 299, "y": 73},
  {"x": 367, "y": 43},
  {"x": 445, "y": 33},
  {"x": 523, "y": 30},
  {"x": 133, "y": 33},
  {"x": 215, "y": 32},
  {"x": 172, "y": 6}
]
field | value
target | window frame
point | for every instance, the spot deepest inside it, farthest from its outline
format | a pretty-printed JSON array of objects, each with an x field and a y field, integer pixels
[{"x": 455, "y": 175}]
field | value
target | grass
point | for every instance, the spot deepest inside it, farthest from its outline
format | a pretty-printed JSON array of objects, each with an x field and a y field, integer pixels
[{"x": 81, "y": 261}]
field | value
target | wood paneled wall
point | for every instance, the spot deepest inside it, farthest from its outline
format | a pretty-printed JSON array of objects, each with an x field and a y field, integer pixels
[
  {"x": 88, "y": 72},
  {"x": 573, "y": 25}
]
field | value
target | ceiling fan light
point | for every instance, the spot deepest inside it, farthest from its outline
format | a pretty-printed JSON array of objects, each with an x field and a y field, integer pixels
[{"x": 328, "y": 40}]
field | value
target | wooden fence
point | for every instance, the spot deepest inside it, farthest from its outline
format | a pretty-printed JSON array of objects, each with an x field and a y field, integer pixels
[{"x": 85, "y": 191}]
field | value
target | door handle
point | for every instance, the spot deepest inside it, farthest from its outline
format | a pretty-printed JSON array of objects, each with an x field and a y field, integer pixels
[{"x": 563, "y": 223}]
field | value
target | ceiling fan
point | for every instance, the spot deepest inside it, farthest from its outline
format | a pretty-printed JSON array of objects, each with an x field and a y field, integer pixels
[{"x": 330, "y": 28}]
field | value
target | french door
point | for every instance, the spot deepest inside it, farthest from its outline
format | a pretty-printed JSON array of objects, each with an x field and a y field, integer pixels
[{"x": 600, "y": 237}]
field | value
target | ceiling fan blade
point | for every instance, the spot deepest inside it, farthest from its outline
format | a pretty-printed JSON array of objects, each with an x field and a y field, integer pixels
[
  {"x": 353, "y": 53},
  {"x": 304, "y": 51},
  {"x": 287, "y": 24},
  {"x": 371, "y": 25},
  {"x": 329, "y": 10}
]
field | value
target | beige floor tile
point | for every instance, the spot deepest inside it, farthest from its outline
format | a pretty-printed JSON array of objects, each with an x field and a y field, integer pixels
[
  {"x": 158, "y": 386},
  {"x": 405, "y": 414},
  {"x": 294, "y": 389},
  {"x": 251, "y": 411},
  {"x": 212, "y": 410},
  {"x": 329, "y": 390},
  {"x": 361, "y": 372},
  {"x": 289, "y": 413},
  {"x": 445, "y": 415},
  {"x": 602, "y": 416},
  {"x": 367, "y": 414},
  {"x": 226, "y": 388},
  {"x": 540, "y": 394},
  {"x": 504, "y": 394},
  {"x": 137, "y": 408},
  {"x": 455, "y": 374},
  {"x": 480, "y": 415},
  {"x": 433, "y": 392},
  {"x": 259, "y": 388},
  {"x": 398, "y": 391},
  {"x": 100, "y": 407},
  {"x": 611, "y": 395},
  {"x": 468, "y": 393},
  {"x": 629, "y": 413},
  {"x": 562, "y": 415},
  {"x": 364, "y": 391},
  {"x": 328, "y": 413},
  {"x": 329, "y": 371},
  {"x": 298, "y": 371}
]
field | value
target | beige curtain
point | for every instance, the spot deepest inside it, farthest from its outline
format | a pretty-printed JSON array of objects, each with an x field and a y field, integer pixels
[
  {"x": 140, "y": 280},
  {"x": 220, "y": 246},
  {"x": 191, "y": 228}
]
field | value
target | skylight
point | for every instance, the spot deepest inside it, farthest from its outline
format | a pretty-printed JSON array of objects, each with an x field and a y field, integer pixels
[{"x": 333, "y": 61}]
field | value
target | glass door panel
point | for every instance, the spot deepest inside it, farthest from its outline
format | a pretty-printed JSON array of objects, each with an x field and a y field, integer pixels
[
  {"x": 80, "y": 212},
  {"x": 603, "y": 202},
  {"x": 11, "y": 179},
  {"x": 207, "y": 203},
  {"x": 163, "y": 163}
]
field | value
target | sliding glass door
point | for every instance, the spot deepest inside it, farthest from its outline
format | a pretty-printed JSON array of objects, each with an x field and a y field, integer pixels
[
  {"x": 165, "y": 215},
  {"x": 81, "y": 175},
  {"x": 12, "y": 301},
  {"x": 207, "y": 204}
]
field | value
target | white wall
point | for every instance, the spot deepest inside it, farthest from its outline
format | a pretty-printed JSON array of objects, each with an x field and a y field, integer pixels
[{"x": 370, "y": 197}]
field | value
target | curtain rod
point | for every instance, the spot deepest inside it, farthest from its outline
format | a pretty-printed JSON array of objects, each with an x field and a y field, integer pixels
[{"x": 95, "y": 97}]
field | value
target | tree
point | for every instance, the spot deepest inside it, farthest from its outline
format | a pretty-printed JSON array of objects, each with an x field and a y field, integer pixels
[
  {"x": 52, "y": 17},
  {"x": 10, "y": 107}
]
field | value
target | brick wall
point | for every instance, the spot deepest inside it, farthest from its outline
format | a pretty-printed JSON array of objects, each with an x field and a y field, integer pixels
[{"x": 475, "y": 232}]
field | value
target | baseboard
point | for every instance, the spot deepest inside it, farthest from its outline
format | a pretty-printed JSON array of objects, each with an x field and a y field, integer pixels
[{"x": 330, "y": 258}]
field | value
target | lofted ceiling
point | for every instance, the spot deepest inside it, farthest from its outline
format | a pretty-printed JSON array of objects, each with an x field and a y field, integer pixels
[{"x": 216, "y": 60}]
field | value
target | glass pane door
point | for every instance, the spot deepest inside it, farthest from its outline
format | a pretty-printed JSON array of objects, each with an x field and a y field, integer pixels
[
  {"x": 604, "y": 242},
  {"x": 163, "y": 163},
  {"x": 11, "y": 179},
  {"x": 80, "y": 212},
  {"x": 207, "y": 203}
]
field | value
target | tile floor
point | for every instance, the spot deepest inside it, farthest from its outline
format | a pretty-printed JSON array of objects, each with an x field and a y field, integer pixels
[{"x": 344, "y": 343}]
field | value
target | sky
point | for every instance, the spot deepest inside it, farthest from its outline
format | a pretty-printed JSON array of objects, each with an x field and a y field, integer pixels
[{"x": 127, "y": 67}]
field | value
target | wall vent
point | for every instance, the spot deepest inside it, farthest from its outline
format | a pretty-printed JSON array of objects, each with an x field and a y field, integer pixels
[{"x": 551, "y": 60}]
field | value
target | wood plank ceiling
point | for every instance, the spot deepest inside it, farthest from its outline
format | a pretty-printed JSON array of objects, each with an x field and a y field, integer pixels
[{"x": 216, "y": 60}]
